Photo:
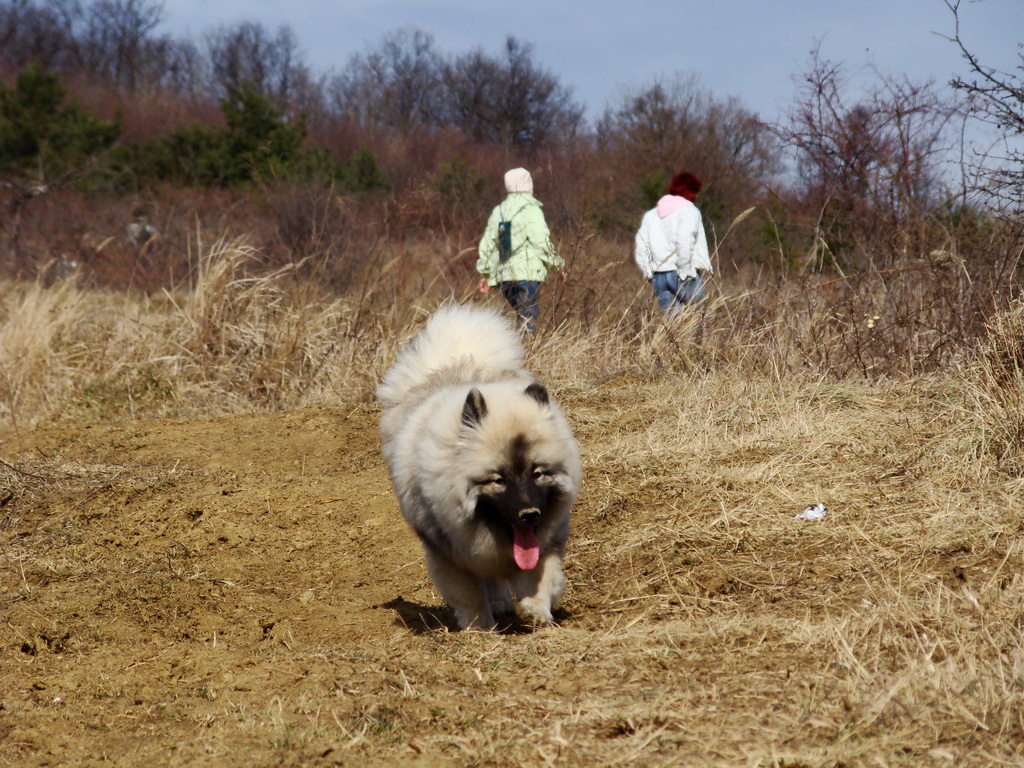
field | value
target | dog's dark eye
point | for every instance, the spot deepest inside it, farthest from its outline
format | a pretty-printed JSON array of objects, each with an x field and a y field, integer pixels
[
  {"x": 539, "y": 472},
  {"x": 494, "y": 479}
]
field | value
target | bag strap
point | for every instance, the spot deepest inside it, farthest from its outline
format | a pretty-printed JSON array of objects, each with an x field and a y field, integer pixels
[{"x": 501, "y": 210}]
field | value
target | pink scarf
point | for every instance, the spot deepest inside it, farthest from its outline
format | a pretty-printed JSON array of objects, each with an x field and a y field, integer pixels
[{"x": 670, "y": 204}]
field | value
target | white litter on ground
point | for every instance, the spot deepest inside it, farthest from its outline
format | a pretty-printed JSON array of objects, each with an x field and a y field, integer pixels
[{"x": 813, "y": 512}]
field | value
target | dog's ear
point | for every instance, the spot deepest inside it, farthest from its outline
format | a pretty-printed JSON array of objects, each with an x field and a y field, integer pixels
[
  {"x": 475, "y": 409},
  {"x": 538, "y": 392}
]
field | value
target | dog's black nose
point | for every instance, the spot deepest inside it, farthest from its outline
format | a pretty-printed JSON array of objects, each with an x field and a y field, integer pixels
[{"x": 529, "y": 516}]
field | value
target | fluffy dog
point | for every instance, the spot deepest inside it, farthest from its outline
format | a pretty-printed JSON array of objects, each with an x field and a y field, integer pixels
[{"x": 484, "y": 465}]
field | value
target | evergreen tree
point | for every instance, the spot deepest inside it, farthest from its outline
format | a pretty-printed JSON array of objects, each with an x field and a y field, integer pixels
[
  {"x": 258, "y": 142},
  {"x": 45, "y": 144}
]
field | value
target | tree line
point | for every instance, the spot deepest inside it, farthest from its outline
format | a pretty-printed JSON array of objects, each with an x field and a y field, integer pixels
[
  {"x": 403, "y": 85},
  {"x": 842, "y": 176}
]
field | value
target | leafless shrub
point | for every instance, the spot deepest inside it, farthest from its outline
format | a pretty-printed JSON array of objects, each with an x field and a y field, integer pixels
[
  {"x": 997, "y": 99},
  {"x": 869, "y": 171},
  {"x": 653, "y": 132}
]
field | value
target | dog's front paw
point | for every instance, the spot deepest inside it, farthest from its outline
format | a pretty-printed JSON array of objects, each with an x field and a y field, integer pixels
[{"x": 534, "y": 610}]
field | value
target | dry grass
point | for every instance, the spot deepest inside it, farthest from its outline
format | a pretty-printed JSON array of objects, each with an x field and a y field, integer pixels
[
  {"x": 238, "y": 337},
  {"x": 704, "y": 624}
]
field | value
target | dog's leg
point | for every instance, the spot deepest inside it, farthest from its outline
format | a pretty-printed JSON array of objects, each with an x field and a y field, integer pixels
[
  {"x": 540, "y": 589},
  {"x": 500, "y": 597},
  {"x": 465, "y": 594}
]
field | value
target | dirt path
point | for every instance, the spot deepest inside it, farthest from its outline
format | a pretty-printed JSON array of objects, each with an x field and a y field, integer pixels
[
  {"x": 242, "y": 591},
  {"x": 187, "y": 562}
]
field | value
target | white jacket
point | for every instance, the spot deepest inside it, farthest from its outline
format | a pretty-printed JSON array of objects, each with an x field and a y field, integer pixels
[{"x": 671, "y": 239}]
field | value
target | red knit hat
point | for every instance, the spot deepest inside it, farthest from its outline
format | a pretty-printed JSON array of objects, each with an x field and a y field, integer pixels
[{"x": 685, "y": 185}]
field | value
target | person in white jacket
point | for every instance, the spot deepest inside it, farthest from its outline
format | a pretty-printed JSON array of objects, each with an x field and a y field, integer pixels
[{"x": 671, "y": 248}]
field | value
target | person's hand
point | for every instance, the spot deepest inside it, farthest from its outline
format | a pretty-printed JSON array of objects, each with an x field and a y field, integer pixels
[{"x": 484, "y": 287}]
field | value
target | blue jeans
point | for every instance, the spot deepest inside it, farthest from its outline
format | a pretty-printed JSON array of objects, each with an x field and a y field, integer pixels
[
  {"x": 522, "y": 295},
  {"x": 672, "y": 293}
]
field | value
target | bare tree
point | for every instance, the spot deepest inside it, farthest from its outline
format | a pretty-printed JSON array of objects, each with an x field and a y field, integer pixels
[
  {"x": 536, "y": 106},
  {"x": 42, "y": 33},
  {"x": 112, "y": 40},
  {"x": 868, "y": 171},
  {"x": 175, "y": 64},
  {"x": 657, "y": 124},
  {"x": 510, "y": 100},
  {"x": 247, "y": 54},
  {"x": 997, "y": 99},
  {"x": 396, "y": 85},
  {"x": 472, "y": 85},
  {"x": 115, "y": 39}
]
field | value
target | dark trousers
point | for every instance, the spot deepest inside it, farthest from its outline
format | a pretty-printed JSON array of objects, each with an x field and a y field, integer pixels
[{"x": 523, "y": 295}]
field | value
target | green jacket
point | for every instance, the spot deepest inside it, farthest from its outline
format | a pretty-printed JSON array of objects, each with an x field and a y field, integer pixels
[{"x": 532, "y": 252}]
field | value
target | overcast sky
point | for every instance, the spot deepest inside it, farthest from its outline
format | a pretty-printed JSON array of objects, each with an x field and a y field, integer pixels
[{"x": 745, "y": 48}]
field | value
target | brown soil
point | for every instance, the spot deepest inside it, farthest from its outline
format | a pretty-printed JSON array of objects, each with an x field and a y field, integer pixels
[{"x": 242, "y": 591}]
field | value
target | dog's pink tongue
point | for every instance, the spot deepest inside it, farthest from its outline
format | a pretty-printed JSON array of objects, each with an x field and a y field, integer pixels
[{"x": 525, "y": 549}]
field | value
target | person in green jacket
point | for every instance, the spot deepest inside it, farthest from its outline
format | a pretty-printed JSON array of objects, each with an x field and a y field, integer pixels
[{"x": 516, "y": 250}]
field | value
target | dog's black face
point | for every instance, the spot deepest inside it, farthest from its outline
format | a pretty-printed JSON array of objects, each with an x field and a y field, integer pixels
[{"x": 519, "y": 491}]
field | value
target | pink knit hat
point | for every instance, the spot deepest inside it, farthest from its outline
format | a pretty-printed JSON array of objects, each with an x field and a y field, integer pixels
[{"x": 518, "y": 180}]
